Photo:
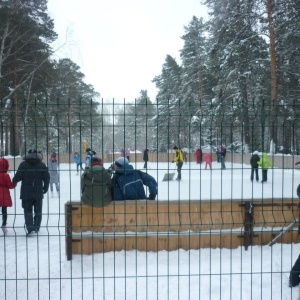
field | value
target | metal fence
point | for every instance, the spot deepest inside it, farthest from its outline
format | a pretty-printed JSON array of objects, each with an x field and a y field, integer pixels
[{"x": 205, "y": 236}]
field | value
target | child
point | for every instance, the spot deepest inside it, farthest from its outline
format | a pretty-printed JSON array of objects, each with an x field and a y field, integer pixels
[
  {"x": 5, "y": 185},
  {"x": 265, "y": 164},
  {"x": 77, "y": 159},
  {"x": 53, "y": 171},
  {"x": 207, "y": 159}
]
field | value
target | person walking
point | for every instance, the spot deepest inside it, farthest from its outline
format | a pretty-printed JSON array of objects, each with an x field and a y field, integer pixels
[
  {"x": 265, "y": 164},
  {"x": 254, "y": 165},
  {"x": 35, "y": 178},
  {"x": 146, "y": 158},
  {"x": 5, "y": 185},
  {"x": 178, "y": 159},
  {"x": 54, "y": 174},
  {"x": 128, "y": 184},
  {"x": 96, "y": 184},
  {"x": 78, "y": 161}
]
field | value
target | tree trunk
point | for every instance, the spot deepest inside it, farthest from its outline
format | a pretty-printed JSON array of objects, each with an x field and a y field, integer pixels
[{"x": 274, "y": 95}]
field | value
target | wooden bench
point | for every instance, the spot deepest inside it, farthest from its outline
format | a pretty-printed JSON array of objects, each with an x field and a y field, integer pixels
[{"x": 170, "y": 225}]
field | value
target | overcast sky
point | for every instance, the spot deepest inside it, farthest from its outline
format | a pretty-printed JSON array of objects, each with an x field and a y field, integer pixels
[{"x": 121, "y": 45}]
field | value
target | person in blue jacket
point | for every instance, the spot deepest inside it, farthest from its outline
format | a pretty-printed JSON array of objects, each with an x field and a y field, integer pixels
[
  {"x": 128, "y": 184},
  {"x": 78, "y": 161}
]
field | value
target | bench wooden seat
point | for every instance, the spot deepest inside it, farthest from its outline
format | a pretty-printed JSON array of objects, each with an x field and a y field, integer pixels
[{"x": 170, "y": 225}]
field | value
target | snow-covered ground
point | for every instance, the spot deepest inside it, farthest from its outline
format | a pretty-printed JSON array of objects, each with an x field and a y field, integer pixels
[{"x": 36, "y": 267}]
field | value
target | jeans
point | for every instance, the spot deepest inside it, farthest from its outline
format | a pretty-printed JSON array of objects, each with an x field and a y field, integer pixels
[{"x": 179, "y": 166}]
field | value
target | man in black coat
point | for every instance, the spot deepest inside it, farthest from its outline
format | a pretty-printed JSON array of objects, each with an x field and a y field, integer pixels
[
  {"x": 254, "y": 165},
  {"x": 35, "y": 183}
]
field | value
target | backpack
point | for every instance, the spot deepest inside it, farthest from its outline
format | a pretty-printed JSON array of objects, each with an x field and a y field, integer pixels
[{"x": 294, "y": 279}]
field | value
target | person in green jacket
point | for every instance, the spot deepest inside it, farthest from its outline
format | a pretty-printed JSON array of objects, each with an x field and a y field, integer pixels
[
  {"x": 265, "y": 164},
  {"x": 96, "y": 184}
]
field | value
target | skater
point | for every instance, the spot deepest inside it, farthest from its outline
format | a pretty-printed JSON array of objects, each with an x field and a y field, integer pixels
[
  {"x": 54, "y": 175},
  {"x": 5, "y": 185},
  {"x": 198, "y": 156},
  {"x": 146, "y": 158},
  {"x": 122, "y": 152},
  {"x": 128, "y": 184},
  {"x": 254, "y": 165},
  {"x": 96, "y": 184},
  {"x": 89, "y": 154},
  {"x": 35, "y": 183},
  {"x": 78, "y": 161},
  {"x": 127, "y": 153},
  {"x": 185, "y": 156},
  {"x": 207, "y": 159},
  {"x": 223, "y": 155},
  {"x": 265, "y": 164},
  {"x": 178, "y": 159}
]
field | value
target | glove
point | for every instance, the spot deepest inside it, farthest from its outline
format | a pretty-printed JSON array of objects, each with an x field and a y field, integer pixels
[
  {"x": 172, "y": 161},
  {"x": 152, "y": 197},
  {"x": 45, "y": 191},
  {"x": 297, "y": 163}
]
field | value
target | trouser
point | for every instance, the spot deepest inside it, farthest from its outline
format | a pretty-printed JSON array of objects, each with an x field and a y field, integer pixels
[
  {"x": 254, "y": 170},
  {"x": 32, "y": 223},
  {"x": 4, "y": 215},
  {"x": 79, "y": 166},
  {"x": 264, "y": 175},
  {"x": 223, "y": 162},
  {"x": 145, "y": 164},
  {"x": 179, "y": 166},
  {"x": 207, "y": 164},
  {"x": 56, "y": 185}
]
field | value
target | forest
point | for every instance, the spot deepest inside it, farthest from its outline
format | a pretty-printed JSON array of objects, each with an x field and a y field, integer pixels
[{"x": 237, "y": 84}]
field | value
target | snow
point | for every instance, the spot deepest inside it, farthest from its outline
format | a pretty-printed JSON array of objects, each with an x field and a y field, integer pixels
[{"x": 37, "y": 268}]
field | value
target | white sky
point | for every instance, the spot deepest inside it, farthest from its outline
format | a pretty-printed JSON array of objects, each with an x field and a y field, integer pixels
[{"x": 121, "y": 45}]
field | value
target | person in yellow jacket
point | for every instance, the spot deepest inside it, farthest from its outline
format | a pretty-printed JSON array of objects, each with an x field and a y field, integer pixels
[
  {"x": 265, "y": 164},
  {"x": 178, "y": 159}
]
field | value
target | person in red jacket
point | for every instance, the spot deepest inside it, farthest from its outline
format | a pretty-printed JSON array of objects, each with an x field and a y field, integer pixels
[
  {"x": 207, "y": 159},
  {"x": 5, "y": 185}
]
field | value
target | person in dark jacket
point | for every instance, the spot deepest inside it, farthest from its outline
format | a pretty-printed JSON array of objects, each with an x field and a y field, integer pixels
[
  {"x": 146, "y": 157},
  {"x": 128, "y": 184},
  {"x": 254, "y": 165},
  {"x": 96, "y": 184},
  {"x": 223, "y": 155},
  {"x": 34, "y": 175}
]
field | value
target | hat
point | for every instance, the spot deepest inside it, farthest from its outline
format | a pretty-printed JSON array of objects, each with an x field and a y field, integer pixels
[
  {"x": 255, "y": 152},
  {"x": 96, "y": 161},
  {"x": 88, "y": 149},
  {"x": 121, "y": 161},
  {"x": 175, "y": 147}
]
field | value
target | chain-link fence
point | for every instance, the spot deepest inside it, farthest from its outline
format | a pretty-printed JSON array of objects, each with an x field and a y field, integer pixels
[{"x": 225, "y": 188}]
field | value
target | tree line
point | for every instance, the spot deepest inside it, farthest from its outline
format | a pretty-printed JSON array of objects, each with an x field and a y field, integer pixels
[{"x": 237, "y": 83}]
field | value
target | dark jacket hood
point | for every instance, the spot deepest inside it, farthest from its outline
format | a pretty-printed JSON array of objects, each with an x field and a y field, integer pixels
[{"x": 32, "y": 158}]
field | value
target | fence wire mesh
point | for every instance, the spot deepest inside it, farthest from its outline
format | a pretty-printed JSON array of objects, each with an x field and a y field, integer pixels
[{"x": 208, "y": 234}]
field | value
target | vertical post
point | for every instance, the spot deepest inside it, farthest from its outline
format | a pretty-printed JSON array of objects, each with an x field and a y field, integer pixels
[
  {"x": 68, "y": 229},
  {"x": 248, "y": 224}
]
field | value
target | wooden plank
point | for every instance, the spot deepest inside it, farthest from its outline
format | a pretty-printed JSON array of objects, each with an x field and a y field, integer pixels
[
  {"x": 89, "y": 245},
  {"x": 177, "y": 215}
]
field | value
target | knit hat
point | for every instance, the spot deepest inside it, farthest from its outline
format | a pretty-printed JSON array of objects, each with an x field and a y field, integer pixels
[
  {"x": 96, "y": 161},
  {"x": 121, "y": 161},
  {"x": 255, "y": 152},
  {"x": 175, "y": 147}
]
